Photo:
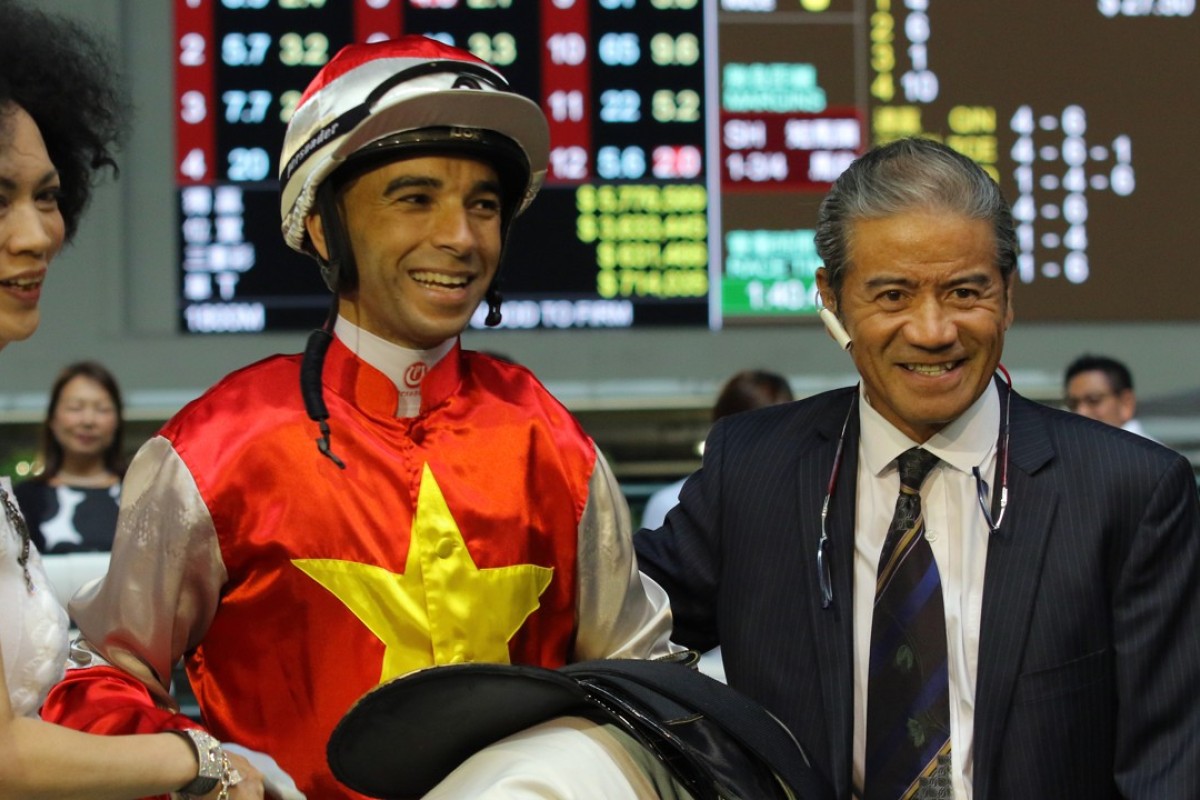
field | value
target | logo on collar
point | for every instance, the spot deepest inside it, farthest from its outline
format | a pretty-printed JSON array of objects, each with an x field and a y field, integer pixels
[{"x": 415, "y": 374}]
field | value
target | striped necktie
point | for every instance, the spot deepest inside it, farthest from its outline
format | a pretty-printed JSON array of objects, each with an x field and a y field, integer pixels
[{"x": 908, "y": 694}]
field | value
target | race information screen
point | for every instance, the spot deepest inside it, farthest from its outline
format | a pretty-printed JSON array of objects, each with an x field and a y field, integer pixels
[{"x": 692, "y": 141}]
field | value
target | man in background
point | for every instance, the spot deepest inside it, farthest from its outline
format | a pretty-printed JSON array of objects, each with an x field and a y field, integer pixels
[{"x": 1101, "y": 388}]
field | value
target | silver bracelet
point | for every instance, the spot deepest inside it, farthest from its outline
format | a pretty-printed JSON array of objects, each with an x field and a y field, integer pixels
[{"x": 214, "y": 765}]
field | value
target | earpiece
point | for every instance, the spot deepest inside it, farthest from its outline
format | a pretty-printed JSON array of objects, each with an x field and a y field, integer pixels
[{"x": 834, "y": 326}]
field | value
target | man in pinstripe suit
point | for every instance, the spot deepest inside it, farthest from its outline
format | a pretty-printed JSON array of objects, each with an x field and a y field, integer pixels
[{"x": 1068, "y": 551}]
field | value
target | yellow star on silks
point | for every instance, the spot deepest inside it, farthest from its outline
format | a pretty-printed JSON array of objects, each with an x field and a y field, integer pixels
[{"x": 443, "y": 609}]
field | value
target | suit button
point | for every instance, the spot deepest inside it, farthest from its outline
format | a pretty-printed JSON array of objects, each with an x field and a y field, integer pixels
[{"x": 445, "y": 548}]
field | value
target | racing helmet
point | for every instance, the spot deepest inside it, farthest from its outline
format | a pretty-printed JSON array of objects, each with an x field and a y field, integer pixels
[{"x": 400, "y": 98}]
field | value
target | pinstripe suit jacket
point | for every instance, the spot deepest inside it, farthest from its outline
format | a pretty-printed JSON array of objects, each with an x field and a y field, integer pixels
[{"x": 1090, "y": 634}]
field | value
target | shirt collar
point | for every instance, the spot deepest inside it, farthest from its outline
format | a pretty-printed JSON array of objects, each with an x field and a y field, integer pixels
[
  {"x": 394, "y": 361},
  {"x": 964, "y": 443}
]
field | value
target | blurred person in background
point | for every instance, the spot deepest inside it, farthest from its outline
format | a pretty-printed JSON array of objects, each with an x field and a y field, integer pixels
[
  {"x": 71, "y": 505},
  {"x": 745, "y": 391},
  {"x": 748, "y": 389},
  {"x": 1101, "y": 388},
  {"x": 60, "y": 116}
]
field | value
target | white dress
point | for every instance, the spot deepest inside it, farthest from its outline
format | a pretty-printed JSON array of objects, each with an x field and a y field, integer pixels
[{"x": 33, "y": 626}]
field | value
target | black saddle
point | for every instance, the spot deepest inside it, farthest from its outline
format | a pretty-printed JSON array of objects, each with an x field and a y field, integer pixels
[{"x": 401, "y": 738}]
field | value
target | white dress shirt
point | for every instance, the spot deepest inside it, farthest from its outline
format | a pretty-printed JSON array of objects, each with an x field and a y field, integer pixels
[
  {"x": 958, "y": 535},
  {"x": 1135, "y": 426}
]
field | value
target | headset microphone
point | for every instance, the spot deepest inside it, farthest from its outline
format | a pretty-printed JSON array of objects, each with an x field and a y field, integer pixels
[{"x": 834, "y": 326}]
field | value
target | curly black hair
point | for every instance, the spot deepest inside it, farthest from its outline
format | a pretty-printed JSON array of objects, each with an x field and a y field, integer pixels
[{"x": 63, "y": 77}]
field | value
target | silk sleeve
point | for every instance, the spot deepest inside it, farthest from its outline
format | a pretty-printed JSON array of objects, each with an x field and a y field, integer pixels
[
  {"x": 622, "y": 613},
  {"x": 154, "y": 605}
]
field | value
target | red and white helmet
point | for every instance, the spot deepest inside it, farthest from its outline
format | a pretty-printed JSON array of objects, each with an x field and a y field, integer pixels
[{"x": 409, "y": 93}]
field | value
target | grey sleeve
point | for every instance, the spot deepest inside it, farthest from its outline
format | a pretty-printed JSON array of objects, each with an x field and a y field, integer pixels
[
  {"x": 164, "y": 580},
  {"x": 622, "y": 613}
]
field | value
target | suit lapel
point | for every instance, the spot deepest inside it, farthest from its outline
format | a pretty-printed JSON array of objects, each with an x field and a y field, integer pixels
[
  {"x": 1013, "y": 572},
  {"x": 833, "y": 627}
]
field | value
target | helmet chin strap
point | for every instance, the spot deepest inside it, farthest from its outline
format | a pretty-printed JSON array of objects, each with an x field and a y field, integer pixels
[
  {"x": 311, "y": 367},
  {"x": 339, "y": 270},
  {"x": 493, "y": 297},
  {"x": 493, "y": 302}
]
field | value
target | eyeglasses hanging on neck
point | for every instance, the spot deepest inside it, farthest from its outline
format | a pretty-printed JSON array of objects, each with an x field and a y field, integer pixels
[{"x": 823, "y": 575}]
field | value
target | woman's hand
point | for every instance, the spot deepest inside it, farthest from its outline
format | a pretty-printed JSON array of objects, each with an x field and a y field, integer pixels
[{"x": 243, "y": 781}]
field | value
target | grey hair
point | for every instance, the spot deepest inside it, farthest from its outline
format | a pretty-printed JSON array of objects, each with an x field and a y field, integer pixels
[{"x": 910, "y": 175}]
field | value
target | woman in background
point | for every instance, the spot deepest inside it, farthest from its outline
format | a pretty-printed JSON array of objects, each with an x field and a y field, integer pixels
[
  {"x": 59, "y": 116},
  {"x": 71, "y": 506},
  {"x": 745, "y": 391}
]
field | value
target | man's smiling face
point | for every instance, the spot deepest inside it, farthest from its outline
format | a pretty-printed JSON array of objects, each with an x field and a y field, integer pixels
[
  {"x": 426, "y": 239},
  {"x": 927, "y": 308}
]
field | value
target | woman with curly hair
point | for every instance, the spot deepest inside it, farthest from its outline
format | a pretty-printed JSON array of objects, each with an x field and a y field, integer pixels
[{"x": 60, "y": 117}]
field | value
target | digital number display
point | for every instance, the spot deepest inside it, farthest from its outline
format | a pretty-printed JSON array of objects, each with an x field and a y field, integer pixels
[{"x": 692, "y": 141}]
